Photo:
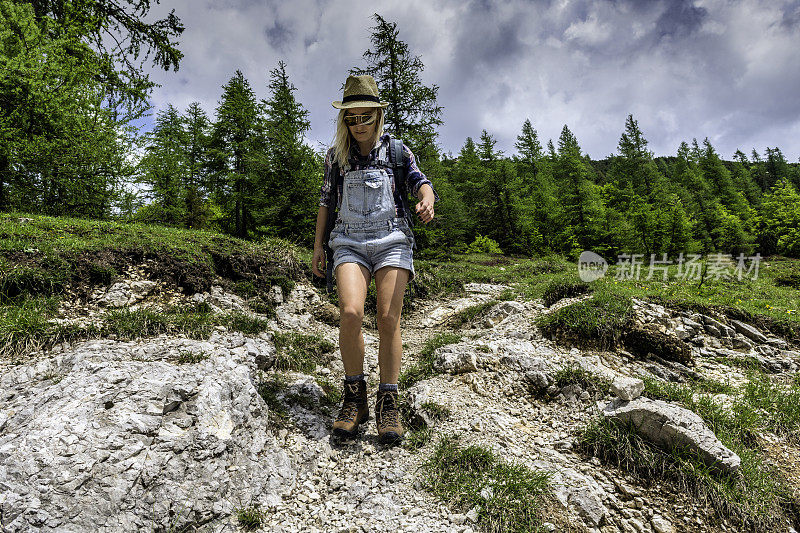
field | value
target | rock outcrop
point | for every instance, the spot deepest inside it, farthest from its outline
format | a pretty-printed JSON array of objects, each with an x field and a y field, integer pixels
[
  {"x": 117, "y": 436},
  {"x": 673, "y": 426}
]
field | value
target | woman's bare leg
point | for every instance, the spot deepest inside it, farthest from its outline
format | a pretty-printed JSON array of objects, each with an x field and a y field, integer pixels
[
  {"x": 390, "y": 283},
  {"x": 352, "y": 280}
]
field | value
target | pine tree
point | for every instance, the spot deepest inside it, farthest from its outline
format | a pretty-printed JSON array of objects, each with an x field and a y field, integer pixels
[
  {"x": 776, "y": 166},
  {"x": 196, "y": 186},
  {"x": 237, "y": 152},
  {"x": 289, "y": 199},
  {"x": 538, "y": 208},
  {"x": 164, "y": 169},
  {"x": 580, "y": 199},
  {"x": 413, "y": 113},
  {"x": 743, "y": 180}
]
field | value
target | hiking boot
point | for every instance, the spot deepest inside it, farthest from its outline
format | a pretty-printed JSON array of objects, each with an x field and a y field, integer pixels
[
  {"x": 387, "y": 417},
  {"x": 354, "y": 410}
]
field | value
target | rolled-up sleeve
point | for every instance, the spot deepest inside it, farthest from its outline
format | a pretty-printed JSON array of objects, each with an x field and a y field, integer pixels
[
  {"x": 327, "y": 180},
  {"x": 414, "y": 175}
]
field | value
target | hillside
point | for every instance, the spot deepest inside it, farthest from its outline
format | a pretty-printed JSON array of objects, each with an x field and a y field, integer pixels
[{"x": 167, "y": 380}]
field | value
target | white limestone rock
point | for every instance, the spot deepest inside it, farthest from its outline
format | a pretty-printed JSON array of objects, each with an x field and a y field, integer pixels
[
  {"x": 627, "y": 388},
  {"x": 134, "y": 444},
  {"x": 674, "y": 426}
]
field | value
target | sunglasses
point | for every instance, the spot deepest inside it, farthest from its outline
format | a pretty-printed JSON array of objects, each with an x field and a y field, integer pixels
[{"x": 355, "y": 120}]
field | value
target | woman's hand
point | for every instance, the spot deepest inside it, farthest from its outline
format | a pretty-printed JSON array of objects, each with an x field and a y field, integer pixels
[
  {"x": 319, "y": 259},
  {"x": 425, "y": 210}
]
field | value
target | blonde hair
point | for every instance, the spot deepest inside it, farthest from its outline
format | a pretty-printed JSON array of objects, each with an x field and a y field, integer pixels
[{"x": 343, "y": 139}]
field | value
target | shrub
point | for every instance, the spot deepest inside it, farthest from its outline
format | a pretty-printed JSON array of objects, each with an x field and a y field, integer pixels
[{"x": 483, "y": 244}]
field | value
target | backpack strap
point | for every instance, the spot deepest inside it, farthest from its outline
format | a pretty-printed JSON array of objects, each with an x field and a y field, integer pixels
[
  {"x": 330, "y": 222},
  {"x": 400, "y": 179}
]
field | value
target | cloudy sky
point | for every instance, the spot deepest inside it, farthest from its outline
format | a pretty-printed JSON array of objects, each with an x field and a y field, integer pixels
[{"x": 726, "y": 70}]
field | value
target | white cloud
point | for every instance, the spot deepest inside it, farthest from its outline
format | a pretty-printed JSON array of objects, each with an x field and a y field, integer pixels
[{"x": 717, "y": 68}]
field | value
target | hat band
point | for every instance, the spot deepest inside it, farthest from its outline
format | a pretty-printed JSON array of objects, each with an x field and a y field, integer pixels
[{"x": 360, "y": 97}]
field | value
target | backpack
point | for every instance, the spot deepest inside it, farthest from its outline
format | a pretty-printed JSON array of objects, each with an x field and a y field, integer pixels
[{"x": 398, "y": 170}]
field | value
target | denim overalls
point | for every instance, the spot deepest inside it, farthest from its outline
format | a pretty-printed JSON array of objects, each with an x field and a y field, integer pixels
[{"x": 367, "y": 231}]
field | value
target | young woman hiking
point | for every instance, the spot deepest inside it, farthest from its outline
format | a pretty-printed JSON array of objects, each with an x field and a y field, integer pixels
[{"x": 371, "y": 238}]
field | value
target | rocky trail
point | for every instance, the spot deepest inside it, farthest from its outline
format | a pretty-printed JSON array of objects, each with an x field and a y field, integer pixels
[{"x": 109, "y": 435}]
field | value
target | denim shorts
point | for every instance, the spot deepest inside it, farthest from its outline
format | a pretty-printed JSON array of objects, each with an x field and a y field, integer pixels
[{"x": 388, "y": 243}]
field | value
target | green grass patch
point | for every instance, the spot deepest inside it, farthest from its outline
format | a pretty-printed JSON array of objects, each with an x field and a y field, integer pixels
[
  {"x": 758, "y": 500},
  {"x": 599, "y": 321},
  {"x": 247, "y": 324},
  {"x": 333, "y": 391},
  {"x": 28, "y": 326},
  {"x": 423, "y": 367},
  {"x": 250, "y": 518},
  {"x": 507, "y": 497},
  {"x": 572, "y": 374},
  {"x": 299, "y": 352},
  {"x": 45, "y": 254},
  {"x": 268, "y": 387},
  {"x": 767, "y": 302},
  {"x": 188, "y": 357},
  {"x": 447, "y": 276},
  {"x": 781, "y": 405},
  {"x": 417, "y": 438},
  {"x": 506, "y": 295},
  {"x": 437, "y": 411},
  {"x": 465, "y": 316},
  {"x": 559, "y": 289}
]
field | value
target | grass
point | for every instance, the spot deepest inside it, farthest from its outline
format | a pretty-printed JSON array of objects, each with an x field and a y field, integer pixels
[
  {"x": 333, "y": 391},
  {"x": 781, "y": 405},
  {"x": 417, "y": 438},
  {"x": 572, "y": 374},
  {"x": 194, "y": 321},
  {"x": 506, "y": 497},
  {"x": 298, "y": 352},
  {"x": 27, "y": 326},
  {"x": 772, "y": 301},
  {"x": 437, "y": 411},
  {"x": 465, "y": 316},
  {"x": 423, "y": 367},
  {"x": 599, "y": 321},
  {"x": 561, "y": 288},
  {"x": 52, "y": 236},
  {"x": 759, "y": 498},
  {"x": 188, "y": 357},
  {"x": 250, "y": 518},
  {"x": 268, "y": 388}
]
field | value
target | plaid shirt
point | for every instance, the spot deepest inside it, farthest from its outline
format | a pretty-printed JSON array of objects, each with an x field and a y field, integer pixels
[{"x": 414, "y": 177}]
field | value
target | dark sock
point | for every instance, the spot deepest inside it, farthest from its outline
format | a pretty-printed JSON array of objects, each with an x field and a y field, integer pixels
[
  {"x": 353, "y": 379},
  {"x": 387, "y": 386}
]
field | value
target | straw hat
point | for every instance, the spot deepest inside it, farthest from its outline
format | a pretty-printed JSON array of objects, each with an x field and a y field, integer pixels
[{"x": 359, "y": 91}]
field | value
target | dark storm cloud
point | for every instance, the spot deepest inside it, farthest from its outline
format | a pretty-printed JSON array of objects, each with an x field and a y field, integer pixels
[
  {"x": 680, "y": 19},
  {"x": 278, "y": 36},
  {"x": 724, "y": 69}
]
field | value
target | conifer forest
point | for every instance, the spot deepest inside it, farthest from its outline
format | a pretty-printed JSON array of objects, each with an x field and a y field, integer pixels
[{"x": 68, "y": 99}]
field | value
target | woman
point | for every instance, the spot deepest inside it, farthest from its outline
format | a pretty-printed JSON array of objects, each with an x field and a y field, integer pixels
[{"x": 370, "y": 238}]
